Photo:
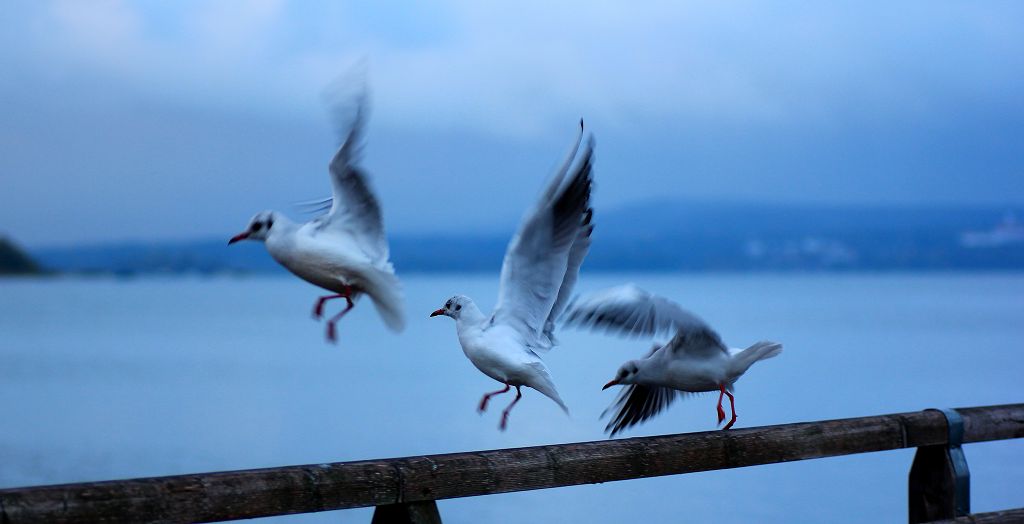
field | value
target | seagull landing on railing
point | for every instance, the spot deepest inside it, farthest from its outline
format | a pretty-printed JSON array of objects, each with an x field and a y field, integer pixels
[
  {"x": 344, "y": 250},
  {"x": 540, "y": 269},
  {"x": 695, "y": 360}
]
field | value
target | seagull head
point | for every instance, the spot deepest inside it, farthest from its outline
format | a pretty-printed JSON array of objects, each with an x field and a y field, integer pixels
[
  {"x": 259, "y": 227},
  {"x": 627, "y": 374},
  {"x": 454, "y": 306}
]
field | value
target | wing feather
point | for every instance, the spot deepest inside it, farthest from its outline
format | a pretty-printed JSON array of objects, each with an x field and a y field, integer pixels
[
  {"x": 637, "y": 403},
  {"x": 537, "y": 258},
  {"x": 355, "y": 210},
  {"x": 631, "y": 311},
  {"x": 577, "y": 253}
]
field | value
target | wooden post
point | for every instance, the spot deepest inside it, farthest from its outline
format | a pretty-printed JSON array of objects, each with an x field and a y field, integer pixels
[
  {"x": 412, "y": 513},
  {"x": 939, "y": 478}
]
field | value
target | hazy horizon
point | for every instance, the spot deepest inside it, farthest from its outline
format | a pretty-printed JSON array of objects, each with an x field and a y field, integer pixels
[{"x": 153, "y": 120}]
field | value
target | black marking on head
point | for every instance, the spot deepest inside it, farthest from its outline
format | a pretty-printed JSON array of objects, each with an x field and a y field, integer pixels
[{"x": 458, "y": 307}]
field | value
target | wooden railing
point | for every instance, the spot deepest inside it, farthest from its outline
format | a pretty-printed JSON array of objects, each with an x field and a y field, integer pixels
[{"x": 404, "y": 489}]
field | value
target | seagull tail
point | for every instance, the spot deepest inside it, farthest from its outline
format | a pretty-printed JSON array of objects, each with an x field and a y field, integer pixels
[
  {"x": 742, "y": 361},
  {"x": 546, "y": 386},
  {"x": 385, "y": 292}
]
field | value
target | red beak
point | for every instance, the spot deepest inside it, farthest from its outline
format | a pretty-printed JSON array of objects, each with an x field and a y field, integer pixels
[
  {"x": 613, "y": 382},
  {"x": 240, "y": 236},
  {"x": 438, "y": 312}
]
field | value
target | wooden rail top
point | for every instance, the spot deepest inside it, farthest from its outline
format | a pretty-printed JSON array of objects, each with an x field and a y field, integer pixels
[{"x": 322, "y": 487}]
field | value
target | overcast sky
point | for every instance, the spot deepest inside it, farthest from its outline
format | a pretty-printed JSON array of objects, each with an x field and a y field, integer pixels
[{"x": 161, "y": 120}]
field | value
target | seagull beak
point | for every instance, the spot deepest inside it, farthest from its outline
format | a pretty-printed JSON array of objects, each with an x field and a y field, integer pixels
[
  {"x": 438, "y": 312},
  {"x": 240, "y": 236},
  {"x": 612, "y": 382}
]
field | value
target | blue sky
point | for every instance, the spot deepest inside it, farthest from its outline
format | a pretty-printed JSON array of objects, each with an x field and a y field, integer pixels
[{"x": 163, "y": 120}]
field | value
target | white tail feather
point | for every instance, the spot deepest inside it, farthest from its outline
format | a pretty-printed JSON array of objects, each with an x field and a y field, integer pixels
[
  {"x": 547, "y": 386},
  {"x": 385, "y": 291},
  {"x": 759, "y": 351}
]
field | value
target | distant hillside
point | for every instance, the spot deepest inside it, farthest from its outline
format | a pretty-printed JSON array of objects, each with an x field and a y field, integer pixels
[
  {"x": 657, "y": 236},
  {"x": 14, "y": 261}
]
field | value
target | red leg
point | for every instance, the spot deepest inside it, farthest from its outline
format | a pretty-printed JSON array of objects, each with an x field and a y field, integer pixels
[
  {"x": 732, "y": 406},
  {"x": 331, "y": 335},
  {"x": 483, "y": 402},
  {"x": 504, "y": 414},
  {"x": 318, "y": 309},
  {"x": 721, "y": 412}
]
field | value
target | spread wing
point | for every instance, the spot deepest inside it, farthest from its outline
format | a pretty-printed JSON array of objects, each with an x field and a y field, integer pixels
[
  {"x": 629, "y": 310},
  {"x": 537, "y": 258},
  {"x": 579, "y": 251},
  {"x": 355, "y": 211},
  {"x": 637, "y": 403}
]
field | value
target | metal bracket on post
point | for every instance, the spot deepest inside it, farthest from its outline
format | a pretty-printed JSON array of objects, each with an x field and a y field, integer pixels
[
  {"x": 940, "y": 482},
  {"x": 961, "y": 474}
]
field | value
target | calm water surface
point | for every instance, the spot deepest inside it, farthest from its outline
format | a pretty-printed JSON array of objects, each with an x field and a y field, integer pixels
[{"x": 104, "y": 378}]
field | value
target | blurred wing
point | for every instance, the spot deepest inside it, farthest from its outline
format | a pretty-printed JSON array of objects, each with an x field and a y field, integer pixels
[
  {"x": 355, "y": 211},
  {"x": 629, "y": 310},
  {"x": 538, "y": 256},
  {"x": 577, "y": 253},
  {"x": 697, "y": 342},
  {"x": 636, "y": 404}
]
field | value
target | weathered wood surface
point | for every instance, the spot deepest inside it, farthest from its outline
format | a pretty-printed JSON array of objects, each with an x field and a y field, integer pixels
[
  {"x": 1007, "y": 516},
  {"x": 304, "y": 489}
]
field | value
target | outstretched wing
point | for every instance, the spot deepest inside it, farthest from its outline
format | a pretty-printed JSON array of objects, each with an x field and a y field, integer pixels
[
  {"x": 637, "y": 403},
  {"x": 629, "y": 310},
  {"x": 355, "y": 211},
  {"x": 538, "y": 255},
  {"x": 579, "y": 251}
]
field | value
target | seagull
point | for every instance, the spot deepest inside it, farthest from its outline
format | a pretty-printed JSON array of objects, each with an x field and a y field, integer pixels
[
  {"x": 694, "y": 360},
  {"x": 537, "y": 276},
  {"x": 344, "y": 250}
]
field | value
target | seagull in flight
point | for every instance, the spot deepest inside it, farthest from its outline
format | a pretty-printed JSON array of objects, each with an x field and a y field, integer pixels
[
  {"x": 539, "y": 271},
  {"x": 344, "y": 250},
  {"x": 694, "y": 360}
]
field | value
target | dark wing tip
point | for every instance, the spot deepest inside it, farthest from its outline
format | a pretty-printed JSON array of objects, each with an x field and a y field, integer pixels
[
  {"x": 635, "y": 404},
  {"x": 575, "y": 197},
  {"x": 581, "y": 123}
]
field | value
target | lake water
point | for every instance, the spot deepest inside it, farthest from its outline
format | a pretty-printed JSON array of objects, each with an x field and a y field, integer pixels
[{"x": 107, "y": 378}]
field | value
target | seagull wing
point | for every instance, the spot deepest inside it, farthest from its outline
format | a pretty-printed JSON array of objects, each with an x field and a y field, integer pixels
[
  {"x": 355, "y": 211},
  {"x": 629, "y": 310},
  {"x": 700, "y": 342},
  {"x": 538, "y": 255},
  {"x": 637, "y": 403},
  {"x": 579, "y": 251}
]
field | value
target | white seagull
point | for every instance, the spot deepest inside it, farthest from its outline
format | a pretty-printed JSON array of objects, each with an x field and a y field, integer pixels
[
  {"x": 345, "y": 250},
  {"x": 695, "y": 360},
  {"x": 540, "y": 269}
]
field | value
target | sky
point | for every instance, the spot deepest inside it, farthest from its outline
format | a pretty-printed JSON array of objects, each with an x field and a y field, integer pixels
[{"x": 151, "y": 120}]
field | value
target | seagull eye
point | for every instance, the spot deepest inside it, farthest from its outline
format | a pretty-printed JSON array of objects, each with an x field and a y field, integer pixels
[{"x": 255, "y": 226}]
